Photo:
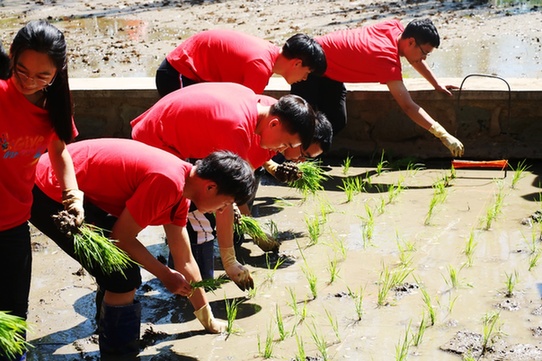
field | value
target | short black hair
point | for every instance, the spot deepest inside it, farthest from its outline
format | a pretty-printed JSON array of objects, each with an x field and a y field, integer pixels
[
  {"x": 4, "y": 63},
  {"x": 231, "y": 173},
  {"x": 296, "y": 116},
  {"x": 304, "y": 47},
  {"x": 423, "y": 31},
  {"x": 323, "y": 132}
]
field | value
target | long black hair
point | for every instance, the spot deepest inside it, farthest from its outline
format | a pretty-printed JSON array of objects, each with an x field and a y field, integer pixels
[{"x": 44, "y": 38}]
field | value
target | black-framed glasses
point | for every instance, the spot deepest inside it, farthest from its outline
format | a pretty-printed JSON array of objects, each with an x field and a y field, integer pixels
[
  {"x": 36, "y": 80},
  {"x": 424, "y": 53}
]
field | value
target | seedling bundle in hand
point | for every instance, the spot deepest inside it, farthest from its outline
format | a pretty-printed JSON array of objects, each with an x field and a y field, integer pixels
[
  {"x": 12, "y": 339},
  {"x": 311, "y": 179},
  {"x": 211, "y": 284},
  {"x": 249, "y": 226},
  {"x": 91, "y": 246}
]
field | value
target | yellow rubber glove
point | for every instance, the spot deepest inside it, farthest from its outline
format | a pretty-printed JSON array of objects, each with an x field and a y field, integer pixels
[
  {"x": 451, "y": 142},
  {"x": 211, "y": 324},
  {"x": 235, "y": 270},
  {"x": 72, "y": 200}
]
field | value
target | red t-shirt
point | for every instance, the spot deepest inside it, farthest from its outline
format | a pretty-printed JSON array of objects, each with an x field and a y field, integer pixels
[
  {"x": 226, "y": 56},
  {"x": 257, "y": 155},
  {"x": 121, "y": 173},
  {"x": 364, "y": 55},
  {"x": 195, "y": 121},
  {"x": 25, "y": 133}
]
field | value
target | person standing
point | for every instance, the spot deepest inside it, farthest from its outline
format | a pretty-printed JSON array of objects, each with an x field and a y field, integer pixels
[
  {"x": 232, "y": 56},
  {"x": 128, "y": 186},
  {"x": 373, "y": 53},
  {"x": 35, "y": 117}
]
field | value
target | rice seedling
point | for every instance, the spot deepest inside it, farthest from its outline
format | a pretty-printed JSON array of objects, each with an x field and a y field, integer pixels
[
  {"x": 405, "y": 252},
  {"x": 333, "y": 270},
  {"x": 339, "y": 246},
  {"x": 325, "y": 209},
  {"x": 273, "y": 229},
  {"x": 519, "y": 173},
  {"x": 249, "y": 226},
  {"x": 388, "y": 280},
  {"x": 358, "y": 302},
  {"x": 495, "y": 208},
  {"x": 351, "y": 186},
  {"x": 304, "y": 312},
  {"x": 267, "y": 352},
  {"x": 401, "y": 349},
  {"x": 440, "y": 193},
  {"x": 12, "y": 339},
  {"x": 490, "y": 329},
  {"x": 533, "y": 260},
  {"x": 429, "y": 306},
  {"x": 293, "y": 301},
  {"x": 252, "y": 292},
  {"x": 314, "y": 228},
  {"x": 395, "y": 190},
  {"x": 280, "y": 323},
  {"x": 453, "y": 277},
  {"x": 346, "y": 164},
  {"x": 320, "y": 342},
  {"x": 272, "y": 269},
  {"x": 469, "y": 249},
  {"x": 231, "y": 314},
  {"x": 381, "y": 206},
  {"x": 312, "y": 279},
  {"x": 417, "y": 337},
  {"x": 368, "y": 226},
  {"x": 311, "y": 180},
  {"x": 211, "y": 284},
  {"x": 512, "y": 280},
  {"x": 413, "y": 168},
  {"x": 334, "y": 324},
  {"x": 467, "y": 356},
  {"x": 301, "y": 355},
  {"x": 381, "y": 164}
]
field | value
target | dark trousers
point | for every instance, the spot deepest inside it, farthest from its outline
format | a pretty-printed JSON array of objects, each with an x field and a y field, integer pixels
[
  {"x": 325, "y": 95},
  {"x": 168, "y": 79}
]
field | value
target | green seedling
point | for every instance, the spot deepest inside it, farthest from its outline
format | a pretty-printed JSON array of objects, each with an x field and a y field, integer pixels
[
  {"x": 440, "y": 193},
  {"x": 231, "y": 314},
  {"x": 401, "y": 349},
  {"x": 381, "y": 206},
  {"x": 334, "y": 324},
  {"x": 312, "y": 178},
  {"x": 395, "y": 190},
  {"x": 358, "y": 302},
  {"x": 381, "y": 164},
  {"x": 312, "y": 279},
  {"x": 273, "y": 229},
  {"x": 368, "y": 226},
  {"x": 429, "y": 306},
  {"x": 351, "y": 187},
  {"x": 211, "y": 284},
  {"x": 388, "y": 280},
  {"x": 333, "y": 270},
  {"x": 495, "y": 208},
  {"x": 280, "y": 324},
  {"x": 320, "y": 342},
  {"x": 418, "y": 336},
  {"x": 346, "y": 164},
  {"x": 533, "y": 260},
  {"x": 470, "y": 246},
  {"x": 490, "y": 329},
  {"x": 519, "y": 173},
  {"x": 267, "y": 352},
  {"x": 453, "y": 277},
  {"x": 314, "y": 227},
  {"x": 12, "y": 339},
  {"x": 301, "y": 355},
  {"x": 293, "y": 301},
  {"x": 405, "y": 252},
  {"x": 511, "y": 281},
  {"x": 272, "y": 269}
]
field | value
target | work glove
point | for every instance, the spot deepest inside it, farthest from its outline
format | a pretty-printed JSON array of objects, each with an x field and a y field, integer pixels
[
  {"x": 451, "y": 142},
  {"x": 72, "y": 200},
  {"x": 286, "y": 172},
  {"x": 267, "y": 243},
  {"x": 206, "y": 318},
  {"x": 235, "y": 270}
]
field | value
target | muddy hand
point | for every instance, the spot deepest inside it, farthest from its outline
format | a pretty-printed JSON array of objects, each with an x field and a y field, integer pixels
[{"x": 72, "y": 200}]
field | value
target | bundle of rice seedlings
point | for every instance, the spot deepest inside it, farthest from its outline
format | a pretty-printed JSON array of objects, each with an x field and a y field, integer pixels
[
  {"x": 12, "y": 339},
  {"x": 312, "y": 178},
  {"x": 251, "y": 227},
  {"x": 92, "y": 247},
  {"x": 211, "y": 284}
]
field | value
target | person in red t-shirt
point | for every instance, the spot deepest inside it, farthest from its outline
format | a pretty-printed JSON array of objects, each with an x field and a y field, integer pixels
[
  {"x": 372, "y": 54},
  {"x": 35, "y": 118},
  {"x": 199, "y": 119},
  {"x": 128, "y": 186},
  {"x": 231, "y": 56}
]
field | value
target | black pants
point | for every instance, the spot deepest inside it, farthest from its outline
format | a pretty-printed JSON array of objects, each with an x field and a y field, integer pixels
[
  {"x": 168, "y": 79},
  {"x": 325, "y": 95},
  {"x": 44, "y": 207}
]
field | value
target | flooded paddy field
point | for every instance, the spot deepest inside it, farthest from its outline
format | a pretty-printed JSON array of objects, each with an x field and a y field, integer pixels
[{"x": 418, "y": 263}]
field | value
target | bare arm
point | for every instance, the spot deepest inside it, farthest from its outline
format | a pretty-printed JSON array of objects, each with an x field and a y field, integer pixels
[
  {"x": 62, "y": 164},
  {"x": 423, "y": 69},
  {"x": 125, "y": 232}
]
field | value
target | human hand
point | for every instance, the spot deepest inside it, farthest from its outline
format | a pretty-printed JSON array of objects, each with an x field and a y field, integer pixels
[
  {"x": 267, "y": 243},
  {"x": 451, "y": 142},
  {"x": 288, "y": 172},
  {"x": 235, "y": 270},
  {"x": 176, "y": 283},
  {"x": 72, "y": 200},
  {"x": 446, "y": 89},
  {"x": 207, "y": 319}
]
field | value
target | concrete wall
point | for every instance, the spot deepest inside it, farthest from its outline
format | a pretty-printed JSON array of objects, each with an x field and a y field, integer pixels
[{"x": 491, "y": 121}]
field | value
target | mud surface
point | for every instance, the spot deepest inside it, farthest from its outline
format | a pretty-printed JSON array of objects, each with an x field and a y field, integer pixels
[{"x": 383, "y": 230}]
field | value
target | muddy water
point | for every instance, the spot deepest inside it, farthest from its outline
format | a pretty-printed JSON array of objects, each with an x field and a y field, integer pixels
[{"x": 62, "y": 298}]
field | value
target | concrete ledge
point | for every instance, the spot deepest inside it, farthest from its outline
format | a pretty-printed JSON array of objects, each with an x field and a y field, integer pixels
[{"x": 490, "y": 120}]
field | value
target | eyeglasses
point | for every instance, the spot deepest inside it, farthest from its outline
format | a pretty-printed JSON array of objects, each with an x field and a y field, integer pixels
[
  {"x": 424, "y": 53},
  {"x": 37, "y": 80}
]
